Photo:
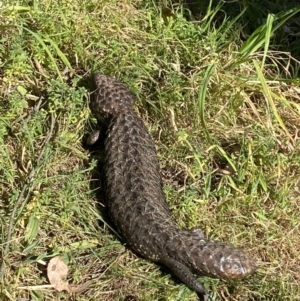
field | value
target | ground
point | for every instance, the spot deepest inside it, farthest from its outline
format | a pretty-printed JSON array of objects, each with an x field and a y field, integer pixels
[{"x": 218, "y": 88}]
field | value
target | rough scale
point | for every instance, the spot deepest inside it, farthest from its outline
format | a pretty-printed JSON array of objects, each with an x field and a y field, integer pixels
[{"x": 136, "y": 202}]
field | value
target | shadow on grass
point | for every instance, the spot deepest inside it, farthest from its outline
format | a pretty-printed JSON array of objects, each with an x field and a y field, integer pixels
[
  {"x": 96, "y": 151},
  {"x": 286, "y": 38}
]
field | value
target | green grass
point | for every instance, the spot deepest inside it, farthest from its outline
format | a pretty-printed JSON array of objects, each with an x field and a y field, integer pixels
[{"x": 223, "y": 108}]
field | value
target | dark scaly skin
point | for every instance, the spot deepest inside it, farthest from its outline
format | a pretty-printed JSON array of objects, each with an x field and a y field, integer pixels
[{"x": 136, "y": 201}]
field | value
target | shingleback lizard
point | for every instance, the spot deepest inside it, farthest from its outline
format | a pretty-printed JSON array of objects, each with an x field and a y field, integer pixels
[{"x": 136, "y": 201}]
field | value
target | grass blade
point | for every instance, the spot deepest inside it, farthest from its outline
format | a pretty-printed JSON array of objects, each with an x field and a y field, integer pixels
[
  {"x": 60, "y": 53},
  {"x": 269, "y": 98},
  {"x": 201, "y": 99},
  {"x": 46, "y": 48}
]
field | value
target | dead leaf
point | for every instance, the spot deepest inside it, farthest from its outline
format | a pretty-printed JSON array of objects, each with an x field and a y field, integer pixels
[{"x": 57, "y": 271}]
